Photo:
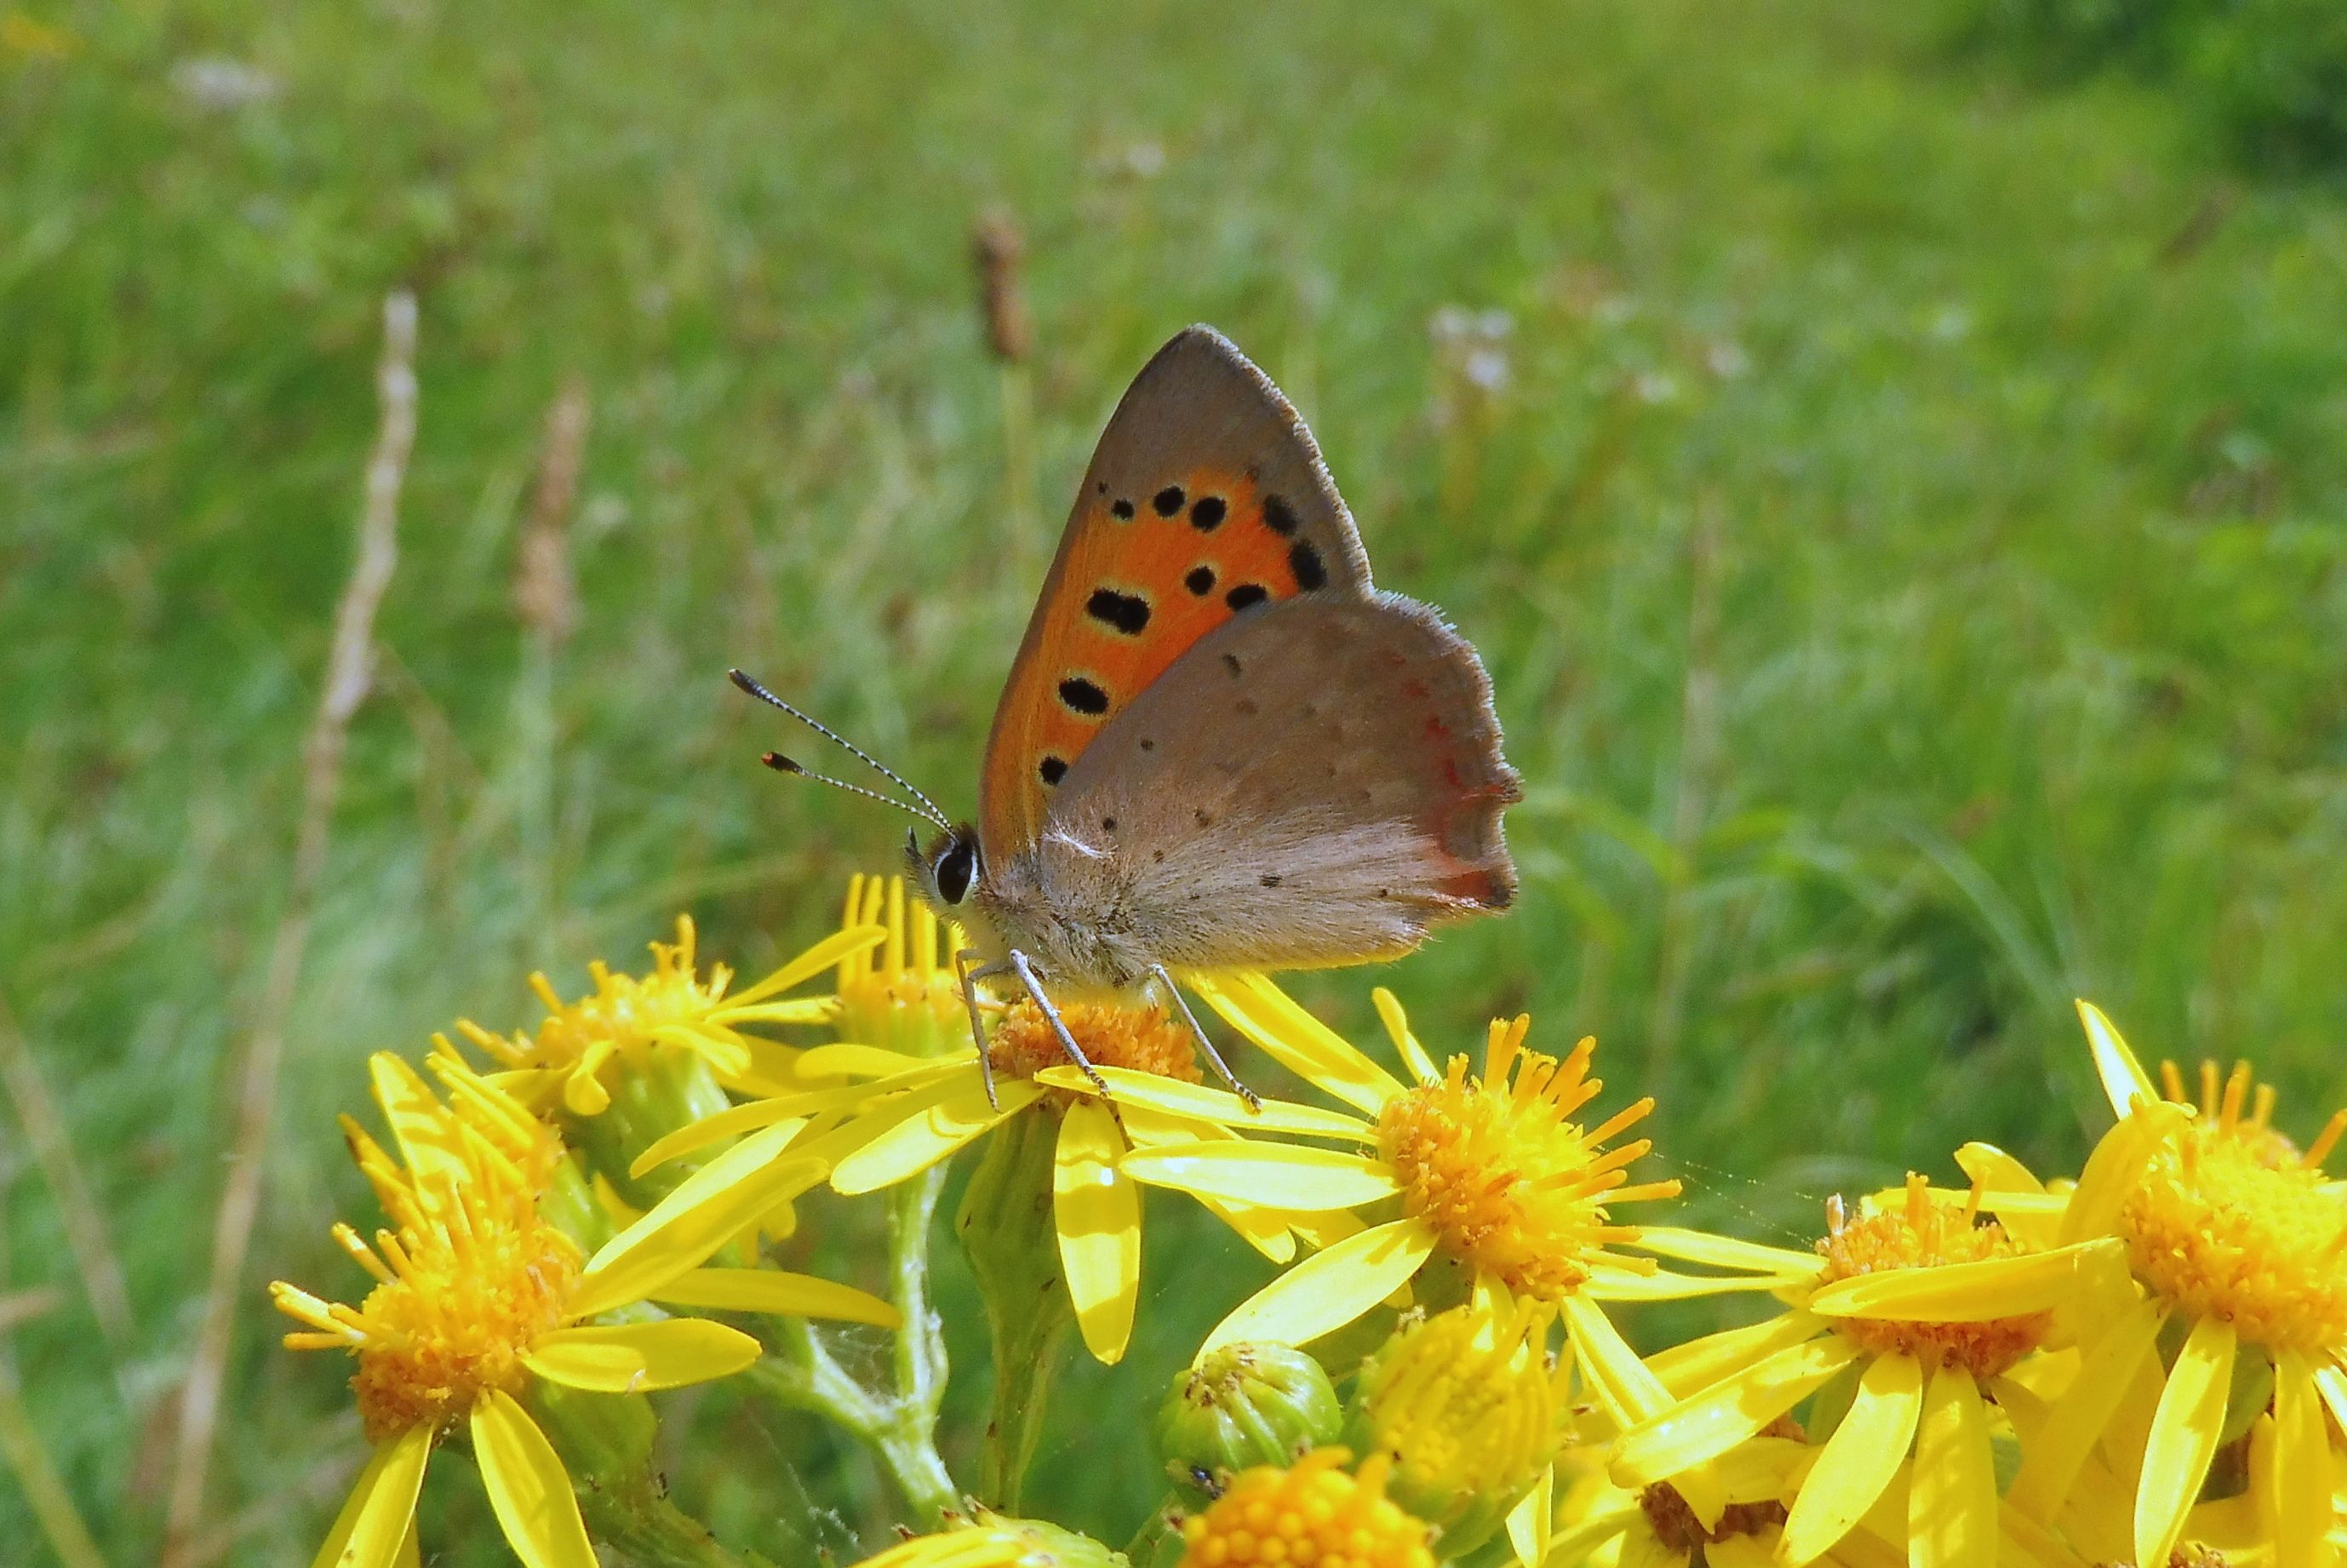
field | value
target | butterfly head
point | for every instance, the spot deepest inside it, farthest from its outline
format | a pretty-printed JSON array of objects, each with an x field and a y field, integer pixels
[{"x": 949, "y": 869}]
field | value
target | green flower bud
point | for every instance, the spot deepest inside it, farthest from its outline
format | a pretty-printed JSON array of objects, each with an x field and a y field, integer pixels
[{"x": 1245, "y": 1404}]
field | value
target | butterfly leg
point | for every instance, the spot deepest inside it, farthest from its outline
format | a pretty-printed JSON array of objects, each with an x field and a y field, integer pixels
[
  {"x": 1164, "y": 980},
  {"x": 970, "y": 978},
  {"x": 1025, "y": 969}
]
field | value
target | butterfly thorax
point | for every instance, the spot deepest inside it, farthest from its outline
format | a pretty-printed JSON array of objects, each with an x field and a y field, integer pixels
[{"x": 1084, "y": 938}]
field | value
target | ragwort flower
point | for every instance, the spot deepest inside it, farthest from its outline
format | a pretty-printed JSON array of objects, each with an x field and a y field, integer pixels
[
  {"x": 1488, "y": 1171},
  {"x": 901, "y": 1114},
  {"x": 575, "y": 1053},
  {"x": 1929, "y": 1312},
  {"x": 478, "y": 1293},
  {"x": 2236, "y": 1251}
]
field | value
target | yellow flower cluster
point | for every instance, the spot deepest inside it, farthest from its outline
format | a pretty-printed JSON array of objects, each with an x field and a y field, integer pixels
[{"x": 2146, "y": 1364}]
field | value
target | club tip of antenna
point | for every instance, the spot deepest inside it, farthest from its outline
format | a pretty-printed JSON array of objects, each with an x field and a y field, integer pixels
[
  {"x": 741, "y": 679},
  {"x": 781, "y": 764}
]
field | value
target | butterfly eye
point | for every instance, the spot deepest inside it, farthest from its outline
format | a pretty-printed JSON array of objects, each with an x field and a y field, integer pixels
[{"x": 956, "y": 868}]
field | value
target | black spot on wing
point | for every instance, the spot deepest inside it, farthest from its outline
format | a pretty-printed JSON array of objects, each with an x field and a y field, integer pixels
[
  {"x": 1246, "y": 596},
  {"x": 1279, "y": 517},
  {"x": 1201, "y": 580},
  {"x": 1084, "y": 696},
  {"x": 1053, "y": 769},
  {"x": 1127, "y": 612},
  {"x": 1167, "y": 501},
  {"x": 1207, "y": 512},
  {"x": 1123, "y": 511},
  {"x": 1305, "y": 562}
]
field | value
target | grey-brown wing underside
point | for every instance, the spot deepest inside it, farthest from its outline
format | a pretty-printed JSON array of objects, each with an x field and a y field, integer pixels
[{"x": 1314, "y": 784}]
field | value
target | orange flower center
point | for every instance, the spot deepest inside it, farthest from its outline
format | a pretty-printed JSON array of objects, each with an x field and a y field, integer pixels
[
  {"x": 1925, "y": 1235},
  {"x": 1498, "y": 1168},
  {"x": 1143, "y": 1039},
  {"x": 2216, "y": 1228},
  {"x": 456, "y": 1323}
]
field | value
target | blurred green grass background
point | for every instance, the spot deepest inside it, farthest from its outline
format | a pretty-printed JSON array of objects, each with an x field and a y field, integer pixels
[{"x": 1900, "y": 507}]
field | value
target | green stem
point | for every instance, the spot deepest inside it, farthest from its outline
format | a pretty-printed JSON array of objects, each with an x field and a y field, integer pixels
[
  {"x": 901, "y": 1431},
  {"x": 1007, "y": 1230},
  {"x": 804, "y": 1376},
  {"x": 647, "y": 1528}
]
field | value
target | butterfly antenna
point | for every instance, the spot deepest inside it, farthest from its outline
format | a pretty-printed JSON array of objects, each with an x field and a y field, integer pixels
[
  {"x": 783, "y": 765},
  {"x": 780, "y": 763}
]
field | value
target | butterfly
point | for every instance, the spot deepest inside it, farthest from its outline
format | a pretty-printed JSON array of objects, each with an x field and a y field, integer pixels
[{"x": 1219, "y": 746}]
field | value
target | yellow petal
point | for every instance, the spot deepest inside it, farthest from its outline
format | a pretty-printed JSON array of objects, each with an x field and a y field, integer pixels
[
  {"x": 2301, "y": 1487},
  {"x": 1195, "y": 1101},
  {"x": 381, "y": 1509},
  {"x": 1642, "y": 1548},
  {"x": 1738, "y": 1552},
  {"x": 2332, "y": 1381},
  {"x": 1727, "y": 1252},
  {"x": 708, "y": 1209},
  {"x": 637, "y": 1358},
  {"x": 733, "y": 1122},
  {"x": 1624, "y": 1386},
  {"x": 824, "y": 954},
  {"x": 1858, "y": 1461},
  {"x": 1722, "y": 1416},
  {"x": 849, "y": 1060},
  {"x": 1413, "y": 1055},
  {"x": 1611, "y": 1282},
  {"x": 1700, "y": 1363},
  {"x": 2051, "y": 1458},
  {"x": 1296, "y": 1039},
  {"x": 930, "y": 1133},
  {"x": 2124, "y": 1080},
  {"x": 1952, "y": 1497},
  {"x": 1329, "y": 1289},
  {"x": 2111, "y": 1171},
  {"x": 777, "y": 1293},
  {"x": 1273, "y": 1175},
  {"x": 1994, "y": 1171},
  {"x": 527, "y": 1487},
  {"x": 2184, "y": 1433},
  {"x": 1266, "y": 1230},
  {"x": 1960, "y": 1292},
  {"x": 1097, "y": 1212},
  {"x": 430, "y": 1144},
  {"x": 1529, "y": 1520}
]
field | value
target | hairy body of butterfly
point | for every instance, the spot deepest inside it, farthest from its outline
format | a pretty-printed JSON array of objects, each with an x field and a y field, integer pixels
[{"x": 1220, "y": 746}]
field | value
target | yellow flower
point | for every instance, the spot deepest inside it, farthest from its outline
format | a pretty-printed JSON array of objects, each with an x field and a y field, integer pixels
[
  {"x": 477, "y": 1293},
  {"x": 1471, "y": 1409},
  {"x": 2236, "y": 1250},
  {"x": 578, "y": 1049},
  {"x": 1929, "y": 1312},
  {"x": 1310, "y": 1513},
  {"x": 904, "y": 994},
  {"x": 904, "y": 1113},
  {"x": 1654, "y": 1525},
  {"x": 1490, "y": 1172}
]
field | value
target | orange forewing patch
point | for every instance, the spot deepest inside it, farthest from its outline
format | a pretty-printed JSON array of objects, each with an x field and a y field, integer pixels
[{"x": 1128, "y": 598}]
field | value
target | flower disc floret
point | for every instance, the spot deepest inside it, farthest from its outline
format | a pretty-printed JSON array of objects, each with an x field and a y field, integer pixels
[
  {"x": 1312, "y": 1514},
  {"x": 1922, "y": 1233},
  {"x": 2217, "y": 1230},
  {"x": 454, "y": 1321},
  {"x": 1497, "y": 1166},
  {"x": 1675, "y": 1525},
  {"x": 1142, "y": 1039}
]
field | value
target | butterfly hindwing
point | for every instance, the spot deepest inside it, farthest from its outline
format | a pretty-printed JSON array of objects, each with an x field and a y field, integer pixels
[
  {"x": 1317, "y": 784},
  {"x": 1205, "y": 500}
]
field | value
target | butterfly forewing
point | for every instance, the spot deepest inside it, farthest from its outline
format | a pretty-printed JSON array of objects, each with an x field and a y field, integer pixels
[
  {"x": 1314, "y": 786},
  {"x": 1206, "y": 500}
]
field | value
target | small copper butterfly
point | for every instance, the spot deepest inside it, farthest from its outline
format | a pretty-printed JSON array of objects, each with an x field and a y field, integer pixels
[{"x": 1220, "y": 747}]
